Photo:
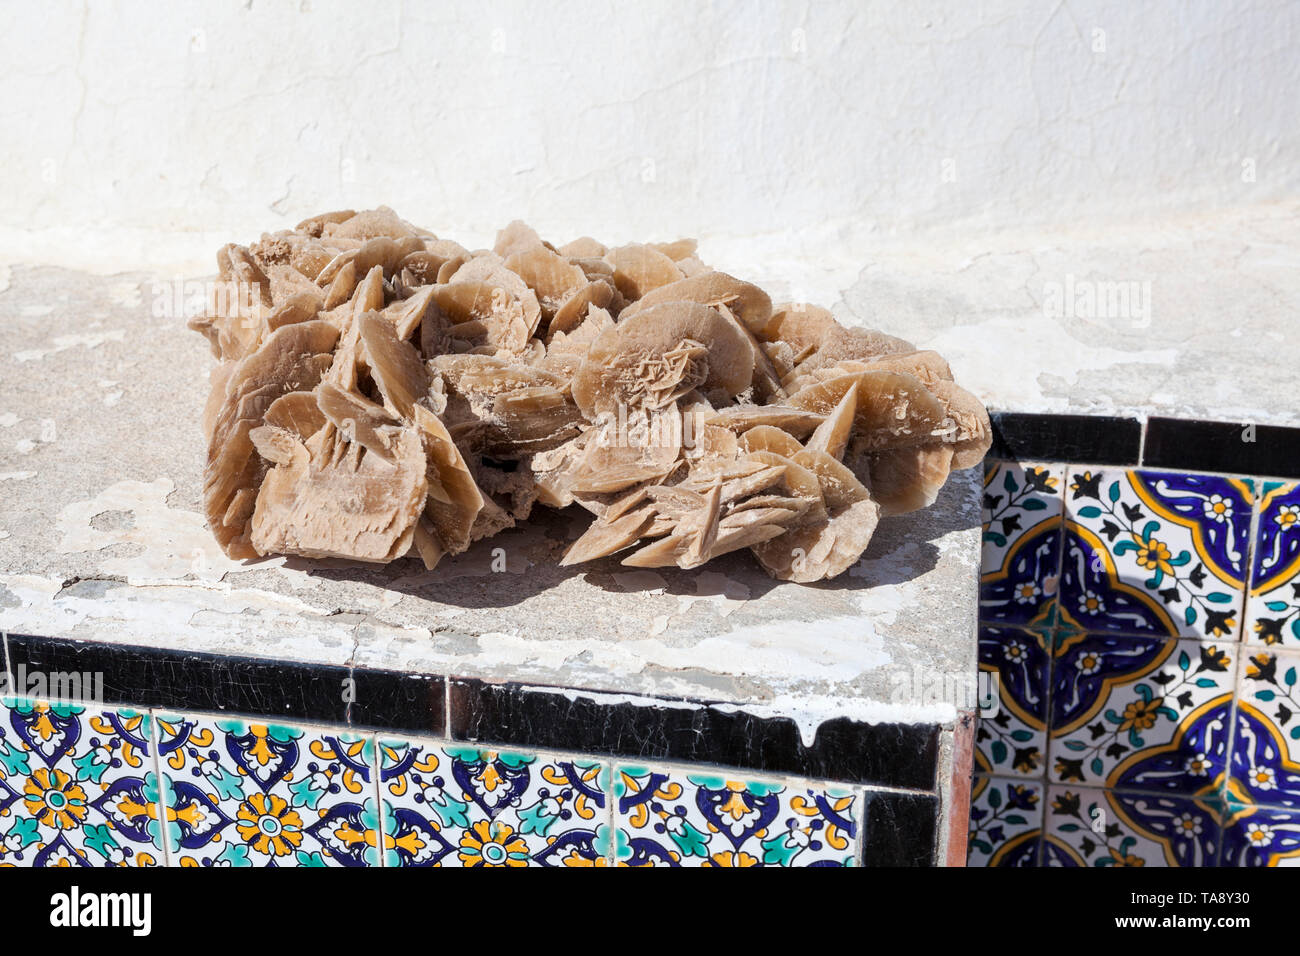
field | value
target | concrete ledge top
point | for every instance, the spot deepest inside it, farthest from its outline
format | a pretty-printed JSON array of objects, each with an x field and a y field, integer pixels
[{"x": 101, "y": 538}]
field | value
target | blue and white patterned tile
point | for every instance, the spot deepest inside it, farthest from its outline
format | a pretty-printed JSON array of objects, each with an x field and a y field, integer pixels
[
  {"x": 1102, "y": 828},
  {"x": 1266, "y": 749},
  {"x": 1014, "y": 740},
  {"x": 1006, "y": 822},
  {"x": 1155, "y": 552},
  {"x": 78, "y": 786},
  {"x": 243, "y": 793},
  {"x": 465, "y": 807},
  {"x": 1262, "y": 836},
  {"x": 1273, "y": 607},
  {"x": 1141, "y": 713},
  {"x": 673, "y": 818},
  {"x": 1021, "y": 542}
]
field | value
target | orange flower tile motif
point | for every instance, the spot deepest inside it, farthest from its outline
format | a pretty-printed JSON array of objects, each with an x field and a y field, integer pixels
[
  {"x": 1159, "y": 553},
  {"x": 243, "y": 793},
  {"x": 667, "y": 818},
  {"x": 1141, "y": 713},
  {"x": 450, "y": 806},
  {"x": 78, "y": 786}
]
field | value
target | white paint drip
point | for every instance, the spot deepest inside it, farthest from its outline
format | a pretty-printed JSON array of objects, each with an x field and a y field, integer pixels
[{"x": 807, "y": 711}]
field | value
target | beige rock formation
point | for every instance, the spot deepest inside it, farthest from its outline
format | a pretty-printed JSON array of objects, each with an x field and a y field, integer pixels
[{"x": 383, "y": 392}]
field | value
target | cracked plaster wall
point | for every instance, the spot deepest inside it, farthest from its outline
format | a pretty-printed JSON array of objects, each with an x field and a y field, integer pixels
[{"x": 834, "y": 121}]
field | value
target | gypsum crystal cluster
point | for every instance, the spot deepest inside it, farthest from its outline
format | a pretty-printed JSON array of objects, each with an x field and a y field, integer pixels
[{"x": 383, "y": 392}]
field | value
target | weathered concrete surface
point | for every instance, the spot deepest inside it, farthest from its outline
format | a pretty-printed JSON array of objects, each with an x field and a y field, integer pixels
[
  {"x": 1209, "y": 331},
  {"x": 100, "y": 464},
  {"x": 101, "y": 538}
]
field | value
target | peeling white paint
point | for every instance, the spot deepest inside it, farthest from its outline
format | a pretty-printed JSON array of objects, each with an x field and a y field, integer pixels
[
  {"x": 16, "y": 475},
  {"x": 828, "y": 649},
  {"x": 125, "y": 295},
  {"x": 717, "y": 591},
  {"x": 61, "y": 343},
  {"x": 174, "y": 543},
  {"x": 213, "y": 618},
  {"x": 1045, "y": 348}
]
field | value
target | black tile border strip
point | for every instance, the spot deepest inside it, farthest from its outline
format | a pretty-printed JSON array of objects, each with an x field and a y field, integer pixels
[
  {"x": 897, "y": 756},
  {"x": 1172, "y": 444},
  {"x": 899, "y": 829},
  {"x": 903, "y": 756},
  {"x": 1235, "y": 447},
  {"x": 142, "y": 677},
  {"x": 1097, "y": 440}
]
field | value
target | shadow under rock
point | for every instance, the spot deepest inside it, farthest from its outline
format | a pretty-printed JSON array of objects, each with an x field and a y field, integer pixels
[{"x": 519, "y": 564}]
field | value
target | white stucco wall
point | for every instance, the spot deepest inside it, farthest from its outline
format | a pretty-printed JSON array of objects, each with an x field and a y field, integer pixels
[{"x": 831, "y": 122}]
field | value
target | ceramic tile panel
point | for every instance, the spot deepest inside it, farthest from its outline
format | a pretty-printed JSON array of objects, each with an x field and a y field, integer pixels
[
  {"x": 1141, "y": 713},
  {"x": 1006, "y": 822},
  {"x": 1021, "y": 542},
  {"x": 1014, "y": 739},
  {"x": 457, "y": 806},
  {"x": 1102, "y": 828},
  {"x": 1159, "y": 553},
  {"x": 78, "y": 786},
  {"x": 246, "y": 793},
  {"x": 677, "y": 818},
  {"x": 1273, "y": 606},
  {"x": 1152, "y": 708}
]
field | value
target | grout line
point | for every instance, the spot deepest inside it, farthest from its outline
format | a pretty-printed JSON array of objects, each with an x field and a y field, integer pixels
[
  {"x": 1158, "y": 469},
  {"x": 1060, "y": 553},
  {"x": 611, "y": 810},
  {"x": 164, "y": 786},
  {"x": 5, "y": 670},
  {"x": 446, "y": 708},
  {"x": 1040, "y": 854},
  {"x": 381, "y": 813},
  {"x": 1142, "y": 442},
  {"x": 860, "y": 841}
]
